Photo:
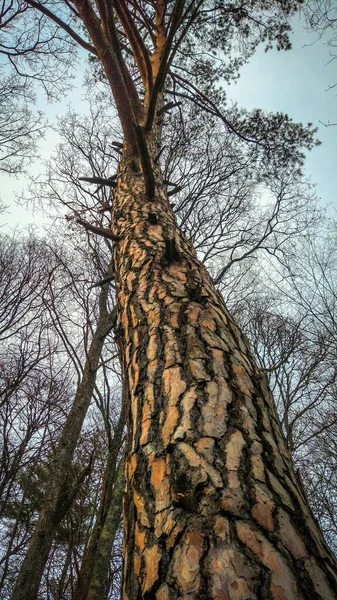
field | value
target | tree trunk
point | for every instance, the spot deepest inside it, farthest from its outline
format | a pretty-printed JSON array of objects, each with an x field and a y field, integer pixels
[
  {"x": 59, "y": 488},
  {"x": 213, "y": 509},
  {"x": 99, "y": 584},
  {"x": 94, "y": 572}
]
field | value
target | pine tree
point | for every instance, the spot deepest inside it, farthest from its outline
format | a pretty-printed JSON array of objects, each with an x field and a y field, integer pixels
[{"x": 212, "y": 506}]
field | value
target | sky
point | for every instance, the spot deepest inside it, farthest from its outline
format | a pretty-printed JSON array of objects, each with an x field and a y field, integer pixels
[{"x": 295, "y": 82}]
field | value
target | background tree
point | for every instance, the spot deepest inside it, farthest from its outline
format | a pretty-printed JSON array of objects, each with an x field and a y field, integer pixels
[
  {"x": 308, "y": 291},
  {"x": 44, "y": 348},
  {"x": 321, "y": 17},
  {"x": 20, "y": 127},
  {"x": 34, "y": 382}
]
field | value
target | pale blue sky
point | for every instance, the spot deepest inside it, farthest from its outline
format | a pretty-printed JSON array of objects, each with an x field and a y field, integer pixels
[{"x": 294, "y": 82}]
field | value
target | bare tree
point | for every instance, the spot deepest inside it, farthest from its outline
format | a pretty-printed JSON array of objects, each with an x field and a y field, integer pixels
[
  {"x": 20, "y": 128},
  {"x": 61, "y": 489},
  {"x": 44, "y": 303},
  {"x": 320, "y": 17},
  {"x": 34, "y": 388}
]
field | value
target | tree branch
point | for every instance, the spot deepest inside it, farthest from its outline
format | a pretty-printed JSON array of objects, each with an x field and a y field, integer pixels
[
  {"x": 107, "y": 233},
  {"x": 100, "y": 181},
  {"x": 108, "y": 50},
  {"x": 139, "y": 49},
  {"x": 103, "y": 282},
  {"x": 63, "y": 26},
  {"x": 164, "y": 62}
]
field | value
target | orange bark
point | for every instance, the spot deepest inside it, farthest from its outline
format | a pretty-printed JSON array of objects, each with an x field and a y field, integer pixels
[{"x": 213, "y": 509}]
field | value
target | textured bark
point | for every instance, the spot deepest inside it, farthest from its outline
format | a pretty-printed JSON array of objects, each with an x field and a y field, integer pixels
[
  {"x": 213, "y": 509},
  {"x": 59, "y": 487}
]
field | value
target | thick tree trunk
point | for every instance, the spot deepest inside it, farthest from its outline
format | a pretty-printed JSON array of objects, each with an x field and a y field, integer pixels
[
  {"x": 213, "y": 509},
  {"x": 59, "y": 487}
]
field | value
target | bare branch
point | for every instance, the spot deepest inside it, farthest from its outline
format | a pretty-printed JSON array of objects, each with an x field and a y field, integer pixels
[{"x": 107, "y": 233}]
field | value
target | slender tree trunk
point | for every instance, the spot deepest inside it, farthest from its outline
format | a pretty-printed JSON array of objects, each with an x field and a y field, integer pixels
[
  {"x": 213, "y": 509},
  {"x": 62, "y": 580},
  {"x": 99, "y": 584},
  {"x": 59, "y": 490},
  {"x": 94, "y": 572}
]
